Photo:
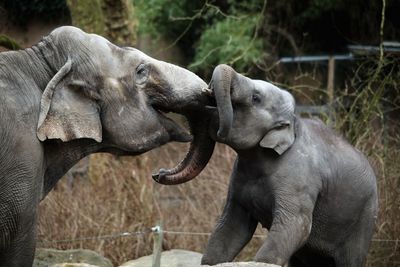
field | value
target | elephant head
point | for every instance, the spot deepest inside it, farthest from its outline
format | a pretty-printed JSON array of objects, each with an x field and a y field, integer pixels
[
  {"x": 249, "y": 113},
  {"x": 113, "y": 95}
]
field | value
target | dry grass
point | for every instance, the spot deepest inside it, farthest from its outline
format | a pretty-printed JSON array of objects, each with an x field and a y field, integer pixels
[
  {"x": 384, "y": 156},
  {"x": 371, "y": 123},
  {"x": 117, "y": 194},
  {"x": 385, "y": 252}
]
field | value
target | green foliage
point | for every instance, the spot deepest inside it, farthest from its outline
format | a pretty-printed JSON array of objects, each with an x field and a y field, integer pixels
[
  {"x": 181, "y": 21},
  {"x": 245, "y": 32},
  {"x": 230, "y": 41},
  {"x": 160, "y": 16},
  {"x": 9, "y": 43},
  {"x": 209, "y": 33}
]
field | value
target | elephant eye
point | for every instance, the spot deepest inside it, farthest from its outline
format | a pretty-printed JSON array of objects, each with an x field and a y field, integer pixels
[
  {"x": 256, "y": 98},
  {"x": 141, "y": 73},
  {"x": 140, "y": 70}
]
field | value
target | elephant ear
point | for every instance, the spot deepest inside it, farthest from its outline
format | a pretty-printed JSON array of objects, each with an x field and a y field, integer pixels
[
  {"x": 279, "y": 138},
  {"x": 66, "y": 110}
]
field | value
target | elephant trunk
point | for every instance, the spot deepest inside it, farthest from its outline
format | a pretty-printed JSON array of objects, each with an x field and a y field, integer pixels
[
  {"x": 200, "y": 152},
  {"x": 187, "y": 89},
  {"x": 221, "y": 84},
  {"x": 202, "y": 146}
]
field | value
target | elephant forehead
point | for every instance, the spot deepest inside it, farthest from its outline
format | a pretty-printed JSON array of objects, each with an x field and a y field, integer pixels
[
  {"x": 266, "y": 87},
  {"x": 76, "y": 37},
  {"x": 277, "y": 97},
  {"x": 132, "y": 57},
  {"x": 99, "y": 42},
  {"x": 68, "y": 32},
  {"x": 138, "y": 55}
]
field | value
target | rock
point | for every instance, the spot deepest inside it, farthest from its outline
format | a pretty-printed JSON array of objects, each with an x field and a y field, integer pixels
[
  {"x": 170, "y": 258},
  {"x": 185, "y": 258},
  {"x": 73, "y": 265},
  {"x": 69, "y": 258},
  {"x": 242, "y": 264}
]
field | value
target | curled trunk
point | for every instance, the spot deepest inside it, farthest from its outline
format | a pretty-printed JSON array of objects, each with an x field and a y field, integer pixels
[
  {"x": 202, "y": 146},
  {"x": 196, "y": 159},
  {"x": 221, "y": 83}
]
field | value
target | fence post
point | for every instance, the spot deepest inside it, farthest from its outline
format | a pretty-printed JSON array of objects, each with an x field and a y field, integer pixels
[
  {"x": 157, "y": 246},
  {"x": 331, "y": 88}
]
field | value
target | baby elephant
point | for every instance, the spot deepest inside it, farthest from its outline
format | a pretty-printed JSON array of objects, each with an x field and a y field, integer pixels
[{"x": 313, "y": 191}]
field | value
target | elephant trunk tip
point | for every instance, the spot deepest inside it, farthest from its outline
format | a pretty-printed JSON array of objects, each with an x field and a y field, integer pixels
[
  {"x": 167, "y": 177},
  {"x": 223, "y": 133},
  {"x": 160, "y": 176}
]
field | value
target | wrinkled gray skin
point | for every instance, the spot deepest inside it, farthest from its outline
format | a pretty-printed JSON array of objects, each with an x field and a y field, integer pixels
[
  {"x": 314, "y": 192},
  {"x": 71, "y": 95}
]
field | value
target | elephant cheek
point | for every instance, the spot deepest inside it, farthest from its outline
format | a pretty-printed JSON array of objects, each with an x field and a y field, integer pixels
[
  {"x": 156, "y": 130},
  {"x": 174, "y": 131},
  {"x": 144, "y": 141},
  {"x": 127, "y": 131}
]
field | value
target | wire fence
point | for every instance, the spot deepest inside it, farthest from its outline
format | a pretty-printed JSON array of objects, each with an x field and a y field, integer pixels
[
  {"x": 158, "y": 234},
  {"x": 157, "y": 229}
]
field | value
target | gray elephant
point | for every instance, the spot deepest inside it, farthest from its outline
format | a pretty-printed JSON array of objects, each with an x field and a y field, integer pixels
[
  {"x": 313, "y": 191},
  {"x": 70, "y": 95}
]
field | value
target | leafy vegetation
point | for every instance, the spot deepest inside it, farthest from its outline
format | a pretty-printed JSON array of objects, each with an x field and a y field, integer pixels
[
  {"x": 216, "y": 31},
  {"x": 9, "y": 43},
  {"x": 231, "y": 39}
]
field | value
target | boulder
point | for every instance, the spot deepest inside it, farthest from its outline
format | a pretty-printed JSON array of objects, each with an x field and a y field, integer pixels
[
  {"x": 185, "y": 258},
  {"x": 242, "y": 264},
  {"x": 69, "y": 258},
  {"x": 73, "y": 265},
  {"x": 170, "y": 258}
]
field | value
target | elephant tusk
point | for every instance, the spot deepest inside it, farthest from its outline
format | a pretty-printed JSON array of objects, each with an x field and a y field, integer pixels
[
  {"x": 207, "y": 91},
  {"x": 211, "y": 108}
]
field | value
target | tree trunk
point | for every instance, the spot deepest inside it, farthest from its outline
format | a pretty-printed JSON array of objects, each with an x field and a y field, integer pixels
[
  {"x": 87, "y": 15},
  {"x": 112, "y": 19},
  {"x": 119, "y": 21}
]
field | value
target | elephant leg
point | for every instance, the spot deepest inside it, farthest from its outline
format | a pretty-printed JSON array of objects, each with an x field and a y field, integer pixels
[
  {"x": 349, "y": 255},
  {"x": 20, "y": 251},
  {"x": 354, "y": 252},
  {"x": 21, "y": 186},
  {"x": 18, "y": 215},
  {"x": 289, "y": 231},
  {"x": 306, "y": 257},
  {"x": 233, "y": 231},
  {"x": 295, "y": 262}
]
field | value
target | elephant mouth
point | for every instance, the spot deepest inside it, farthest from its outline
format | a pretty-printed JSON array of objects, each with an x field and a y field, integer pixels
[
  {"x": 176, "y": 130},
  {"x": 200, "y": 150},
  {"x": 188, "y": 116}
]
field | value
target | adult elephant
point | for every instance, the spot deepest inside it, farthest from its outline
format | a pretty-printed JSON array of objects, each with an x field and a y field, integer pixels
[
  {"x": 70, "y": 95},
  {"x": 313, "y": 191}
]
